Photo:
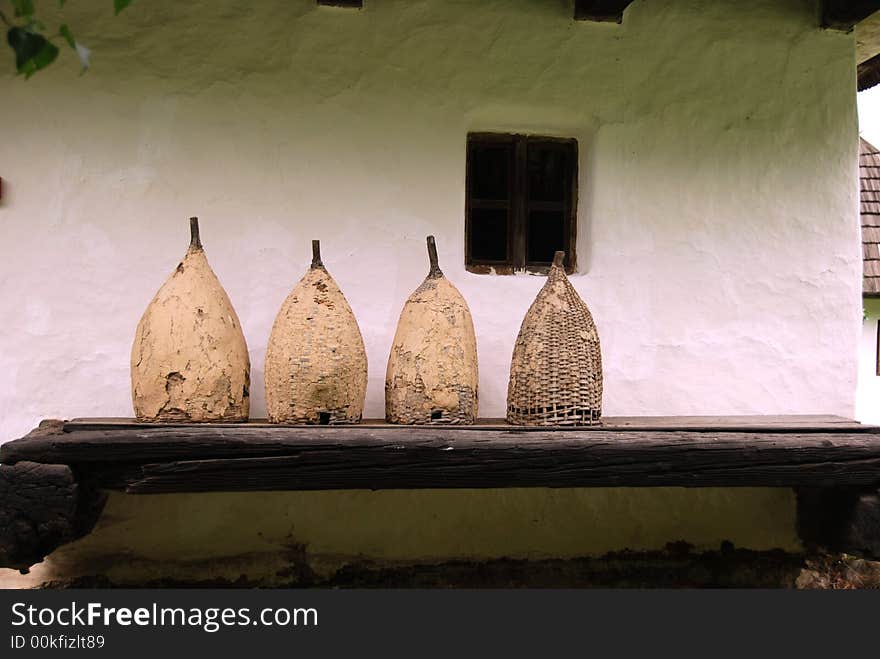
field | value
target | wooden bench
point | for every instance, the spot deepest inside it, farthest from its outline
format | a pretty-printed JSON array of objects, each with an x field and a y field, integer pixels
[{"x": 52, "y": 481}]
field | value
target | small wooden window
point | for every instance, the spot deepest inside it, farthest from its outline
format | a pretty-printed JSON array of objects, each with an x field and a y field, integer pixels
[
  {"x": 342, "y": 3},
  {"x": 877, "y": 351},
  {"x": 521, "y": 202}
]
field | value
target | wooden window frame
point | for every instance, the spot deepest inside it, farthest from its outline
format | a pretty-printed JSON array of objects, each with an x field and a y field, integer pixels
[
  {"x": 877, "y": 350},
  {"x": 349, "y": 4},
  {"x": 518, "y": 205}
]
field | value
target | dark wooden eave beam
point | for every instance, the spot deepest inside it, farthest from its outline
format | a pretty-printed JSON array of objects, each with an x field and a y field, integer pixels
[
  {"x": 42, "y": 506},
  {"x": 845, "y": 14},
  {"x": 869, "y": 75},
  {"x": 606, "y": 11}
]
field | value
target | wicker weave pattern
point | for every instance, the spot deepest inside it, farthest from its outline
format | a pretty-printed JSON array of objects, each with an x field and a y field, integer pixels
[{"x": 556, "y": 370}]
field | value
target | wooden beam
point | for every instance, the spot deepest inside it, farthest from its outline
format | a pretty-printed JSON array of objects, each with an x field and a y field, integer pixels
[
  {"x": 608, "y": 11},
  {"x": 868, "y": 76},
  {"x": 738, "y": 423},
  {"x": 845, "y": 14},
  {"x": 41, "y": 507},
  {"x": 49, "y": 479},
  {"x": 188, "y": 458}
]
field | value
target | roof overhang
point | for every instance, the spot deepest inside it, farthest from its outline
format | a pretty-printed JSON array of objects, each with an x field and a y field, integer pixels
[{"x": 868, "y": 51}]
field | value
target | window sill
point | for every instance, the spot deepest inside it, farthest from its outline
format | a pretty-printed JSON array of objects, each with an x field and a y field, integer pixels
[{"x": 488, "y": 269}]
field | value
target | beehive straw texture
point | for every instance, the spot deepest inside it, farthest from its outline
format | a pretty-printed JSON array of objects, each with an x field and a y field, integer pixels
[
  {"x": 189, "y": 361},
  {"x": 556, "y": 370},
  {"x": 432, "y": 369},
  {"x": 316, "y": 364}
]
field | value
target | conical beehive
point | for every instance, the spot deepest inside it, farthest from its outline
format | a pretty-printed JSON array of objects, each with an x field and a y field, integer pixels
[
  {"x": 316, "y": 364},
  {"x": 432, "y": 368},
  {"x": 556, "y": 370},
  {"x": 189, "y": 361}
]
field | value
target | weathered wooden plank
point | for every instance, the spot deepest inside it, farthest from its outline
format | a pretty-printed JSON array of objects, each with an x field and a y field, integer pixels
[
  {"x": 868, "y": 75},
  {"x": 811, "y": 422},
  {"x": 200, "y": 457},
  {"x": 163, "y": 442},
  {"x": 368, "y": 469}
]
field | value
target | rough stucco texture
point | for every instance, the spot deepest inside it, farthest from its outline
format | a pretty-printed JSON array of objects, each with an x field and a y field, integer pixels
[{"x": 718, "y": 239}]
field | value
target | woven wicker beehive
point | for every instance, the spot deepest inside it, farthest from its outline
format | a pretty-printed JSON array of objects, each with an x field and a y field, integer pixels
[
  {"x": 556, "y": 370},
  {"x": 316, "y": 364},
  {"x": 432, "y": 369},
  {"x": 189, "y": 361}
]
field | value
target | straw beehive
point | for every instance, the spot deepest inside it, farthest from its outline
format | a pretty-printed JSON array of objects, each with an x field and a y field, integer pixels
[
  {"x": 316, "y": 364},
  {"x": 432, "y": 368},
  {"x": 556, "y": 370},
  {"x": 189, "y": 361}
]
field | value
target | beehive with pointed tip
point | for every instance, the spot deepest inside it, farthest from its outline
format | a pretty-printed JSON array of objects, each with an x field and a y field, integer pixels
[
  {"x": 316, "y": 364},
  {"x": 432, "y": 369},
  {"x": 556, "y": 370},
  {"x": 189, "y": 361}
]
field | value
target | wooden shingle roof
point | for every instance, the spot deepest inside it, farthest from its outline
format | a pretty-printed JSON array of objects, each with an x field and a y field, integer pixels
[{"x": 869, "y": 175}]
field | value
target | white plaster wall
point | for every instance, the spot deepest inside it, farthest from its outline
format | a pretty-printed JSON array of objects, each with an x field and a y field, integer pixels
[{"x": 718, "y": 237}]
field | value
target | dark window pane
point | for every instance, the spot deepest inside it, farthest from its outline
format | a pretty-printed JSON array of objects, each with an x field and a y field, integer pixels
[
  {"x": 488, "y": 234},
  {"x": 546, "y": 235},
  {"x": 549, "y": 166},
  {"x": 489, "y": 171},
  {"x": 521, "y": 193}
]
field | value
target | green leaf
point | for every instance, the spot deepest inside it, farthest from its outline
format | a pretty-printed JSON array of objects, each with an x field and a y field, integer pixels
[
  {"x": 42, "y": 59},
  {"x": 65, "y": 32},
  {"x": 119, "y": 5},
  {"x": 23, "y": 7},
  {"x": 32, "y": 51},
  {"x": 61, "y": 3}
]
